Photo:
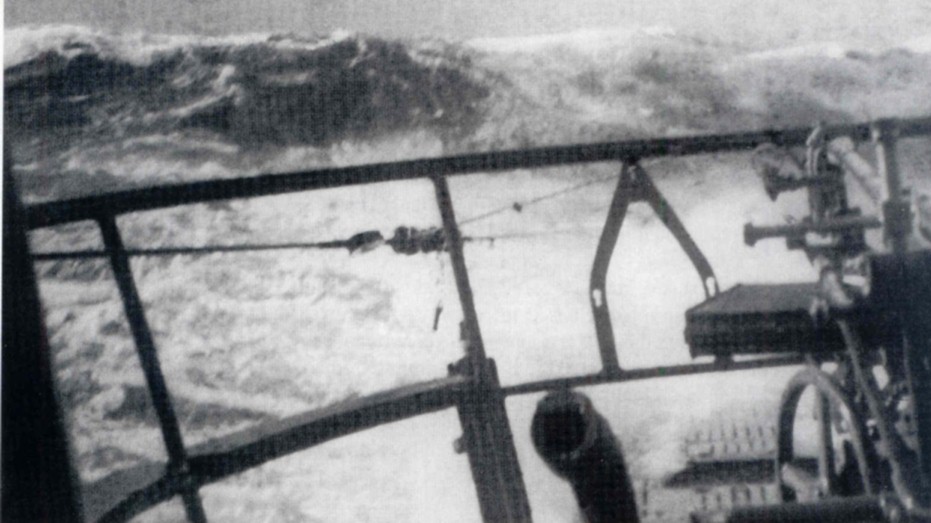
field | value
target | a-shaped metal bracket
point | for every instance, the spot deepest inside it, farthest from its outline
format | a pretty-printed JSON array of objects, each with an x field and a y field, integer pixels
[{"x": 635, "y": 185}]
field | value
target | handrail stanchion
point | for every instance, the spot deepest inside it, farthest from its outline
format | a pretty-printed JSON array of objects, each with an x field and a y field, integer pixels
[
  {"x": 912, "y": 276},
  {"x": 623, "y": 195},
  {"x": 487, "y": 436},
  {"x": 37, "y": 476},
  {"x": 151, "y": 368},
  {"x": 475, "y": 347}
]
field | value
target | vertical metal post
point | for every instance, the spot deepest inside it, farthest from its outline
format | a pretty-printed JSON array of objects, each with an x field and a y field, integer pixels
[
  {"x": 914, "y": 305},
  {"x": 623, "y": 195},
  {"x": 151, "y": 368},
  {"x": 915, "y": 311},
  {"x": 486, "y": 430},
  {"x": 38, "y": 480},
  {"x": 918, "y": 365},
  {"x": 475, "y": 347}
]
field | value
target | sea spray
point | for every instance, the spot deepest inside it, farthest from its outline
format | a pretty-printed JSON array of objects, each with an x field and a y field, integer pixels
[{"x": 246, "y": 337}]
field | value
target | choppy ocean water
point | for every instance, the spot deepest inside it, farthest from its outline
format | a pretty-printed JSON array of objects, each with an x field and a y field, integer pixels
[{"x": 246, "y": 338}]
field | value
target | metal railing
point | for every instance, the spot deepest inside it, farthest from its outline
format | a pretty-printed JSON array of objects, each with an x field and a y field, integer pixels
[{"x": 473, "y": 386}]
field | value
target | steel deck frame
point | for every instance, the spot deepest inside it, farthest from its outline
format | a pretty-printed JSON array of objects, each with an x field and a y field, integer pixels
[{"x": 472, "y": 387}]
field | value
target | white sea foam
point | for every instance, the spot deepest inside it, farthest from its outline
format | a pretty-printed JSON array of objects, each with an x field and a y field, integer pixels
[
  {"x": 281, "y": 333},
  {"x": 25, "y": 43}
]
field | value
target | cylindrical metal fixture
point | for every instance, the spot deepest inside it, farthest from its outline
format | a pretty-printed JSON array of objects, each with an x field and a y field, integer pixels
[{"x": 577, "y": 443}]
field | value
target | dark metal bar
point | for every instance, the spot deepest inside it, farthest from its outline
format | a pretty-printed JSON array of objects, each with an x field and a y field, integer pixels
[
  {"x": 473, "y": 336},
  {"x": 145, "y": 345},
  {"x": 902, "y": 285},
  {"x": 222, "y": 457},
  {"x": 755, "y": 233},
  {"x": 486, "y": 430},
  {"x": 661, "y": 207},
  {"x": 918, "y": 366},
  {"x": 193, "y": 506},
  {"x": 89, "y": 208},
  {"x": 219, "y": 458},
  {"x": 598, "y": 295},
  {"x": 651, "y": 372},
  {"x": 148, "y": 358},
  {"x": 914, "y": 306},
  {"x": 915, "y": 310},
  {"x": 38, "y": 480},
  {"x": 481, "y": 404},
  {"x": 136, "y": 502},
  {"x": 489, "y": 443}
]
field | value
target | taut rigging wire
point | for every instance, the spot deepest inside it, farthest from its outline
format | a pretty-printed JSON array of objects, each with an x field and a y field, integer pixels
[{"x": 351, "y": 244}]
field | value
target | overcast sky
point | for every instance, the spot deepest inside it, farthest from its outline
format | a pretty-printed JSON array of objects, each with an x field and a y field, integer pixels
[{"x": 765, "y": 19}]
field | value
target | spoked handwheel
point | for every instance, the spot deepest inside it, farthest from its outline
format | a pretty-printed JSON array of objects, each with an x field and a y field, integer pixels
[{"x": 846, "y": 460}]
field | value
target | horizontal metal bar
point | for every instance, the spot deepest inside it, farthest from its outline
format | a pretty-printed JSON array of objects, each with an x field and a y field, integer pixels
[
  {"x": 92, "y": 207},
  {"x": 218, "y": 458},
  {"x": 652, "y": 372},
  {"x": 755, "y": 233},
  {"x": 215, "y": 459}
]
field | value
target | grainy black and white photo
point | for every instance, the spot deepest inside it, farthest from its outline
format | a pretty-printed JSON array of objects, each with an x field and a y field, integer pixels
[{"x": 482, "y": 261}]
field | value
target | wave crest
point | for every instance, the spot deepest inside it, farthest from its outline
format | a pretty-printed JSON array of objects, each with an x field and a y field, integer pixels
[
  {"x": 281, "y": 90},
  {"x": 94, "y": 107}
]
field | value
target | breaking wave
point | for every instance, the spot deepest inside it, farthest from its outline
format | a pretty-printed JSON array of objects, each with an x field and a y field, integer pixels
[
  {"x": 281, "y": 90},
  {"x": 97, "y": 111},
  {"x": 254, "y": 336}
]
